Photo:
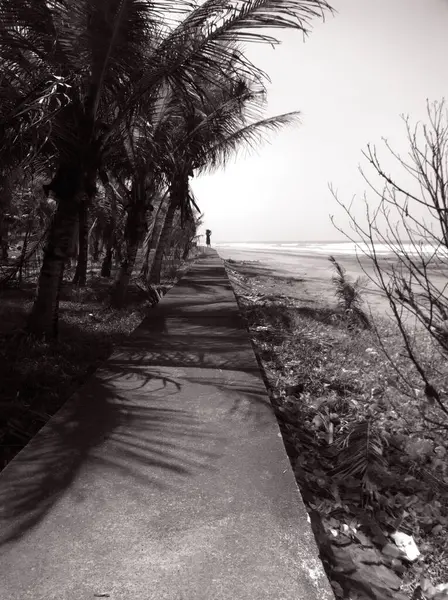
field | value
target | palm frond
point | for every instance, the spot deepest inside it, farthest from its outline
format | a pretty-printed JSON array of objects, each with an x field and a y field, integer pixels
[
  {"x": 349, "y": 294},
  {"x": 251, "y": 135},
  {"x": 193, "y": 202},
  {"x": 212, "y": 33},
  {"x": 360, "y": 452}
]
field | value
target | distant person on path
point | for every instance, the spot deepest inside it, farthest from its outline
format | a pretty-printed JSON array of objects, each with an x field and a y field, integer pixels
[{"x": 208, "y": 233}]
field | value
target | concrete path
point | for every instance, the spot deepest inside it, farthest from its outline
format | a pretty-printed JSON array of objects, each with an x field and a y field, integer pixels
[{"x": 165, "y": 477}]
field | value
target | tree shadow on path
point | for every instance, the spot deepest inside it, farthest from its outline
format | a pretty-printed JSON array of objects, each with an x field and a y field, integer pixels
[{"x": 123, "y": 421}]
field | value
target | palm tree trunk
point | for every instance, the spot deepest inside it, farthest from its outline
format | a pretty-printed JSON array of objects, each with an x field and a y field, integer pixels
[
  {"x": 66, "y": 186},
  {"x": 145, "y": 266},
  {"x": 43, "y": 319},
  {"x": 109, "y": 240},
  {"x": 134, "y": 232},
  {"x": 124, "y": 276},
  {"x": 187, "y": 238},
  {"x": 106, "y": 266},
  {"x": 95, "y": 247},
  {"x": 80, "y": 276},
  {"x": 187, "y": 248},
  {"x": 159, "y": 220},
  {"x": 5, "y": 206},
  {"x": 4, "y": 235},
  {"x": 163, "y": 242}
]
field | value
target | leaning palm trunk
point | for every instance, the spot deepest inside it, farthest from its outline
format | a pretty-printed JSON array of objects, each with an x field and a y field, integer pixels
[
  {"x": 134, "y": 232},
  {"x": 147, "y": 248},
  {"x": 188, "y": 244},
  {"x": 80, "y": 276},
  {"x": 178, "y": 198},
  {"x": 164, "y": 240},
  {"x": 153, "y": 240}
]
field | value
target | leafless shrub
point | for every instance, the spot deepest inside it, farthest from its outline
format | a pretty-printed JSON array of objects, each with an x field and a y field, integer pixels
[{"x": 412, "y": 226}]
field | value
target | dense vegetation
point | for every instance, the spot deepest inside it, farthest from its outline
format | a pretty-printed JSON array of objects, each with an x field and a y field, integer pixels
[{"x": 108, "y": 108}]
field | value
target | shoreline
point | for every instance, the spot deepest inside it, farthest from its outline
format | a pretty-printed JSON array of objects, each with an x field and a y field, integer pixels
[
  {"x": 314, "y": 272},
  {"x": 308, "y": 276}
]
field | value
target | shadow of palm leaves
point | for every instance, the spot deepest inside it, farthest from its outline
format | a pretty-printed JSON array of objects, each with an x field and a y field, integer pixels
[
  {"x": 109, "y": 412},
  {"x": 122, "y": 419}
]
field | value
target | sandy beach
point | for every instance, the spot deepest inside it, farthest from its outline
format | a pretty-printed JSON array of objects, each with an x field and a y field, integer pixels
[
  {"x": 329, "y": 382},
  {"x": 308, "y": 276}
]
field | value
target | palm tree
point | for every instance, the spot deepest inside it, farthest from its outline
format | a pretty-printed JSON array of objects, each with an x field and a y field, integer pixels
[
  {"x": 153, "y": 235},
  {"x": 208, "y": 137},
  {"x": 109, "y": 217},
  {"x": 141, "y": 169},
  {"x": 100, "y": 66},
  {"x": 173, "y": 104},
  {"x": 98, "y": 44},
  {"x": 110, "y": 38}
]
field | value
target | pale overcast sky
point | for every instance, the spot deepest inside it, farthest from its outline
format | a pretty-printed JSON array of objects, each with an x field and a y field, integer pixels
[{"x": 351, "y": 79}]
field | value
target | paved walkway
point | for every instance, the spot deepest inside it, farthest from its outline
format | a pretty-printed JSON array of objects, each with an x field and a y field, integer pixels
[{"x": 165, "y": 476}]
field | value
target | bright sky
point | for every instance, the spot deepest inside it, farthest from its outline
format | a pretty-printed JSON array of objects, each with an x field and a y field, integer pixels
[{"x": 351, "y": 79}]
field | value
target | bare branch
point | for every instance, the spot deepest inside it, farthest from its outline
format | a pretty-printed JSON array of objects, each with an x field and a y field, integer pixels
[{"x": 413, "y": 275}]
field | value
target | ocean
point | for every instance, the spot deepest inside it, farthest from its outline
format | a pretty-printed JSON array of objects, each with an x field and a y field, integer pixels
[{"x": 329, "y": 248}]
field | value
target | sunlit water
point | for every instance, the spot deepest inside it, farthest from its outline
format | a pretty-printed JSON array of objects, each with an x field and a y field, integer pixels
[{"x": 335, "y": 248}]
